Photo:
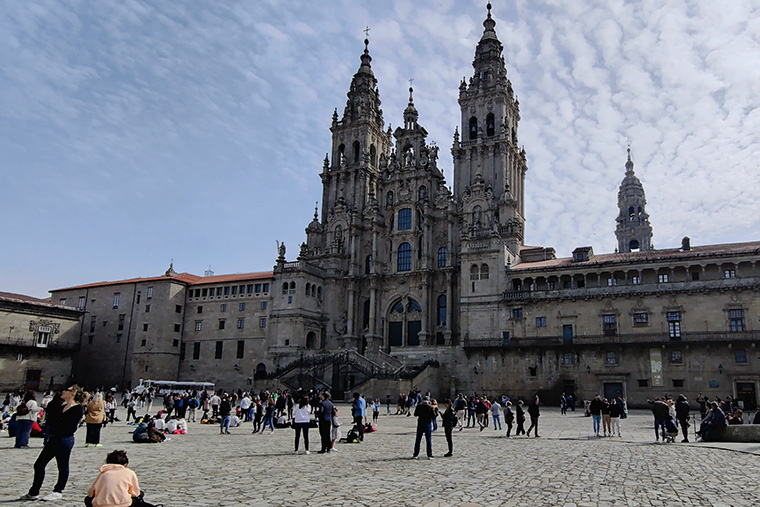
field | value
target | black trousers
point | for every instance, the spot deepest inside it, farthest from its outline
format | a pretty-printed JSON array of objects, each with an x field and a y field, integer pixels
[
  {"x": 449, "y": 441},
  {"x": 302, "y": 427},
  {"x": 325, "y": 429},
  {"x": 359, "y": 421},
  {"x": 93, "y": 433},
  {"x": 685, "y": 427}
]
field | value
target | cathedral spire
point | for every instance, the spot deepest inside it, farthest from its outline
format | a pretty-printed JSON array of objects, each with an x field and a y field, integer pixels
[
  {"x": 633, "y": 231},
  {"x": 410, "y": 113}
]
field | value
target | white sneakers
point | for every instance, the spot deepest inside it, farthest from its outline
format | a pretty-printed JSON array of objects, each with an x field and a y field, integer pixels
[{"x": 52, "y": 497}]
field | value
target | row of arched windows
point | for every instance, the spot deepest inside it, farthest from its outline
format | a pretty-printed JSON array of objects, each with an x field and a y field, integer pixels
[
  {"x": 404, "y": 261},
  {"x": 490, "y": 126},
  {"x": 313, "y": 291},
  {"x": 422, "y": 195},
  {"x": 414, "y": 306},
  {"x": 356, "y": 153},
  {"x": 479, "y": 272}
]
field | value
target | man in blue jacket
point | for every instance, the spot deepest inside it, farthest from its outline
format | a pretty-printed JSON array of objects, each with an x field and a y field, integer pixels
[{"x": 359, "y": 410}]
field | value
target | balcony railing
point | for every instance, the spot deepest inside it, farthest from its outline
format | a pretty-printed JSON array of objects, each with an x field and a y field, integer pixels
[
  {"x": 31, "y": 343},
  {"x": 619, "y": 339}
]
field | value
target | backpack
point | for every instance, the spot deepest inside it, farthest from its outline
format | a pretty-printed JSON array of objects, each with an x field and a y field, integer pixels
[
  {"x": 22, "y": 409},
  {"x": 352, "y": 437}
]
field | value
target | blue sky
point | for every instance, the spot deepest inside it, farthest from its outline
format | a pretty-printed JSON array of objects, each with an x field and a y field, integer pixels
[{"x": 133, "y": 133}]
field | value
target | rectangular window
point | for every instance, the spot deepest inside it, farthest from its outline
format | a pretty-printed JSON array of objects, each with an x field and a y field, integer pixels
[
  {"x": 290, "y": 299},
  {"x": 568, "y": 358},
  {"x": 145, "y": 327},
  {"x": 517, "y": 313},
  {"x": 241, "y": 307},
  {"x": 266, "y": 287},
  {"x": 197, "y": 350},
  {"x": 258, "y": 288},
  {"x": 610, "y": 358},
  {"x": 121, "y": 321},
  {"x": 550, "y": 286},
  {"x": 234, "y": 290},
  {"x": 197, "y": 293},
  {"x": 43, "y": 336},
  {"x": 177, "y": 328},
  {"x": 643, "y": 382},
  {"x": 532, "y": 371},
  {"x": 609, "y": 325},
  {"x": 143, "y": 342},
  {"x": 221, "y": 324},
  {"x": 540, "y": 321},
  {"x": 219, "y": 291},
  {"x": 204, "y": 293},
  {"x": 611, "y": 282},
  {"x": 695, "y": 276},
  {"x": 677, "y": 382},
  {"x": 240, "y": 349},
  {"x": 227, "y": 291},
  {"x": 568, "y": 284},
  {"x": 93, "y": 320},
  {"x": 405, "y": 219},
  {"x": 241, "y": 323},
  {"x": 736, "y": 321},
  {"x": 115, "y": 300},
  {"x": 636, "y": 280},
  {"x": 676, "y": 357},
  {"x": 223, "y": 307},
  {"x": 147, "y": 308},
  {"x": 674, "y": 325},
  {"x": 640, "y": 319},
  {"x": 198, "y": 324},
  {"x": 241, "y": 289},
  {"x": 138, "y": 296},
  {"x": 199, "y": 309},
  {"x": 182, "y": 351},
  {"x": 80, "y": 305},
  {"x": 263, "y": 305},
  {"x": 729, "y": 273},
  {"x": 250, "y": 289},
  {"x": 150, "y": 292},
  {"x": 118, "y": 338},
  {"x": 89, "y": 339},
  {"x": 219, "y": 349},
  {"x": 62, "y": 301},
  {"x": 263, "y": 322},
  {"x": 663, "y": 278},
  {"x": 740, "y": 356},
  {"x": 177, "y": 308}
]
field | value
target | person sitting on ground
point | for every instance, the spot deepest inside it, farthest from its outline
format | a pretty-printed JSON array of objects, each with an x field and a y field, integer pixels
[
  {"x": 116, "y": 485},
  {"x": 159, "y": 423},
  {"x": 171, "y": 424},
  {"x": 715, "y": 420}
]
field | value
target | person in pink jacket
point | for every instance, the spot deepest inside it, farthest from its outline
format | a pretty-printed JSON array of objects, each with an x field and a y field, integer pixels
[{"x": 116, "y": 485}]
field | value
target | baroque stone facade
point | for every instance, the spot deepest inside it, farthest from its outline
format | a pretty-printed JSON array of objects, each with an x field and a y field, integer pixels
[{"x": 405, "y": 282}]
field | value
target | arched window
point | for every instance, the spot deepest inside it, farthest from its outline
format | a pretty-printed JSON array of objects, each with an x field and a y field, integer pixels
[
  {"x": 285, "y": 288},
  {"x": 311, "y": 340},
  {"x": 357, "y": 152},
  {"x": 405, "y": 219},
  {"x": 634, "y": 246},
  {"x": 404, "y": 257},
  {"x": 389, "y": 199},
  {"x": 398, "y": 307},
  {"x": 477, "y": 215},
  {"x": 490, "y": 129},
  {"x": 339, "y": 234},
  {"x": 292, "y": 288},
  {"x": 368, "y": 265},
  {"x": 413, "y": 306},
  {"x": 631, "y": 213},
  {"x": 373, "y": 154},
  {"x": 308, "y": 289},
  {"x": 341, "y": 152},
  {"x": 319, "y": 293},
  {"x": 484, "y": 272},
  {"x": 443, "y": 252},
  {"x": 473, "y": 128},
  {"x": 474, "y": 272},
  {"x": 441, "y": 320},
  {"x": 261, "y": 371}
]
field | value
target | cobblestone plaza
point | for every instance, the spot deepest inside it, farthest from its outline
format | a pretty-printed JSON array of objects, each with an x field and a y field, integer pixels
[{"x": 565, "y": 466}]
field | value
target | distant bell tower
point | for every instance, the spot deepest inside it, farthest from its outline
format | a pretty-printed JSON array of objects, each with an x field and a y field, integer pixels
[
  {"x": 633, "y": 231},
  {"x": 487, "y": 159}
]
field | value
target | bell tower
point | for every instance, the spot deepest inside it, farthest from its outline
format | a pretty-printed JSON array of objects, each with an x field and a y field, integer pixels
[
  {"x": 633, "y": 231},
  {"x": 487, "y": 158}
]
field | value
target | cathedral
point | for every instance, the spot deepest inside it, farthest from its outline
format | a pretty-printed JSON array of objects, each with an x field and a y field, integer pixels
[{"x": 404, "y": 282}]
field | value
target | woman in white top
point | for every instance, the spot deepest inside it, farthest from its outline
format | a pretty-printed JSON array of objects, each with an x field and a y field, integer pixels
[
  {"x": 301, "y": 421},
  {"x": 26, "y": 415}
]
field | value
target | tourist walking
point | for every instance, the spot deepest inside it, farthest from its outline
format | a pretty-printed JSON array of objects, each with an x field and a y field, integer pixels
[
  {"x": 520, "y": 418},
  {"x": 26, "y": 415},
  {"x": 225, "y": 409},
  {"x": 496, "y": 414},
  {"x": 460, "y": 409},
  {"x": 63, "y": 421},
  {"x": 534, "y": 412},
  {"x": 682, "y": 414},
  {"x": 449, "y": 421},
  {"x": 95, "y": 417},
  {"x": 301, "y": 422},
  {"x": 660, "y": 412},
  {"x": 324, "y": 417},
  {"x": 269, "y": 416},
  {"x": 509, "y": 417},
  {"x": 596, "y": 413},
  {"x": 606, "y": 428},
  {"x": 616, "y": 410}
]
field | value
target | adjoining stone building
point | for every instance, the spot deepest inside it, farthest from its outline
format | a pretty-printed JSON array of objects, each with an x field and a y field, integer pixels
[
  {"x": 405, "y": 282},
  {"x": 38, "y": 343}
]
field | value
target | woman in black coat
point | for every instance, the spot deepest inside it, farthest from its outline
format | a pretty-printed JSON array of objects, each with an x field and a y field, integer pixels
[{"x": 520, "y": 419}]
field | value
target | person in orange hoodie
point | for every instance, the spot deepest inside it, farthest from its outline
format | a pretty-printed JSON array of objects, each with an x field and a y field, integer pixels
[{"x": 116, "y": 485}]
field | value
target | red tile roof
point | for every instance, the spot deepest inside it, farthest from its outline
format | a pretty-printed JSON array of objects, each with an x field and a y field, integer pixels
[
  {"x": 186, "y": 278},
  {"x": 751, "y": 247},
  {"x": 10, "y": 296},
  {"x": 239, "y": 277}
]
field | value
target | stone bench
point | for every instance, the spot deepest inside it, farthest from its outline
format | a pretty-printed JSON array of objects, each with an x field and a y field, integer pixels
[{"x": 738, "y": 433}]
